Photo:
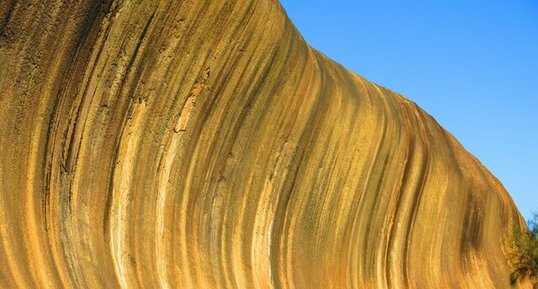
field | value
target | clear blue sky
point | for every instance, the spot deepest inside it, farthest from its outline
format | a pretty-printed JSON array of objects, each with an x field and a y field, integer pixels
[{"x": 473, "y": 65}]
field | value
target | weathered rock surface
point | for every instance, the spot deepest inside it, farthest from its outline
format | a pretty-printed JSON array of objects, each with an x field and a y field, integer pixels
[{"x": 204, "y": 144}]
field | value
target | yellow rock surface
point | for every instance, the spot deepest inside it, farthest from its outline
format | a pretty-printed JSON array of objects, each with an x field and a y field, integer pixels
[{"x": 204, "y": 144}]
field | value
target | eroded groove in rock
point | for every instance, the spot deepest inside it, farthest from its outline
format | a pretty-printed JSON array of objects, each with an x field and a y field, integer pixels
[{"x": 204, "y": 144}]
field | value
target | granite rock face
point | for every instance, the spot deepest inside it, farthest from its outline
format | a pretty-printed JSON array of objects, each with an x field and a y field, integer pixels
[{"x": 204, "y": 144}]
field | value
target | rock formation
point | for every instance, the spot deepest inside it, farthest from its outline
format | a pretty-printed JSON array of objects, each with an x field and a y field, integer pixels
[{"x": 204, "y": 144}]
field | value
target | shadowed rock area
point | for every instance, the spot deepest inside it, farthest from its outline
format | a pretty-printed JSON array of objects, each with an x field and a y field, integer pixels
[{"x": 204, "y": 144}]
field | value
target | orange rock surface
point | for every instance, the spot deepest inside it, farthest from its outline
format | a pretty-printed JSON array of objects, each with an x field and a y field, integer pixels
[{"x": 204, "y": 144}]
